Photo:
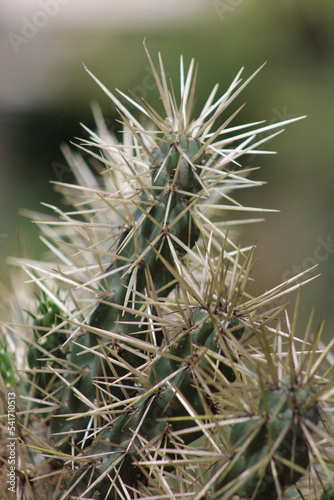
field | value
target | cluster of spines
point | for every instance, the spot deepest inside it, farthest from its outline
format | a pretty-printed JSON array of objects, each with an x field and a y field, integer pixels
[{"x": 271, "y": 451}]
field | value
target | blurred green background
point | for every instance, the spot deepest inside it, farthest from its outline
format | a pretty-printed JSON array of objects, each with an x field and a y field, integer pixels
[{"x": 45, "y": 93}]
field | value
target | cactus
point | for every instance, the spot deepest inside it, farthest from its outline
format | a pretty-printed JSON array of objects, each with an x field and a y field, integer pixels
[
  {"x": 284, "y": 409},
  {"x": 152, "y": 370}
]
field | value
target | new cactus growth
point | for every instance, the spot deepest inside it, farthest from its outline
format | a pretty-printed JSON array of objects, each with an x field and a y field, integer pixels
[
  {"x": 6, "y": 368},
  {"x": 46, "y": 349},
  {"x": 157, "y": 375}
]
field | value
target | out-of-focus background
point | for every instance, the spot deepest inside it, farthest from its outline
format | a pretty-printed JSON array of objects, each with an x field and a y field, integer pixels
[{"x": 45, "y": 93}]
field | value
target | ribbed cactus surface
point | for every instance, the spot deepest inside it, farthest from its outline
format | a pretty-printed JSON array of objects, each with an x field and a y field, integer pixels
[{"x": 157, "y": 375}]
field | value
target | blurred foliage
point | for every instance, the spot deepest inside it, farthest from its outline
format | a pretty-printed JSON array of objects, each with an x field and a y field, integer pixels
[{"x": 296, "y": 39}]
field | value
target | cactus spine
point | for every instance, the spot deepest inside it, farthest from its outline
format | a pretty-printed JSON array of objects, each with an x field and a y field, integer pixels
[{"x": 159, "y": 375}]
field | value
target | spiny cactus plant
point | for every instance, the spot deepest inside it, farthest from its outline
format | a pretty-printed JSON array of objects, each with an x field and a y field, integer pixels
[{"x": 150, "y": 371}]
